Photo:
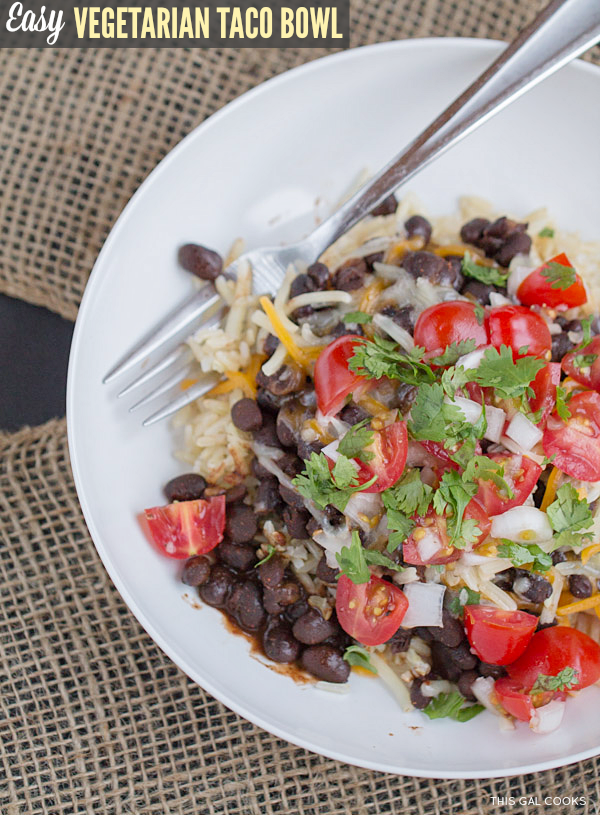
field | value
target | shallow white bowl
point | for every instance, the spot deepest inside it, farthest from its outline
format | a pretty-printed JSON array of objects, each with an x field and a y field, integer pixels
[{"x": 261, "y": 168}]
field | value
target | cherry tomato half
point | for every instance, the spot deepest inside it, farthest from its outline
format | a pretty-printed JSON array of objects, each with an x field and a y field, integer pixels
[
  {"x": 588, "y": 375},
  {"x": 498, "y": 636},
  {"x": 333, "y": 380},
  {"x": 390, "y": 447},
  {"x": 437, "y": 449},
  {"x": 576, "y": 442},
  {"x": 370, "y": 612},
  {"x": 537, "y": 290},
  {"x": 544, "y": 386},
  {"x": 187, "y": 528},
  {"x": 429, "y": 542},
  {"x": 553, "y": 649},
  {"x": 441, "y": 325},
  {"x": 514, "y": 698},
  {"x": 519, "y": 329},
  {"x": 520, "y": 473}
]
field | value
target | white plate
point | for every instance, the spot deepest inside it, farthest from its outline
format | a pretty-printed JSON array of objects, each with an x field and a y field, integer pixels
[{"x": 257, "y": 169}]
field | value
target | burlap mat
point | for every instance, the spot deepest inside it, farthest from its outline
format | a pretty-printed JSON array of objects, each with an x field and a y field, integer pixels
[{"x": 93, "y": 717}]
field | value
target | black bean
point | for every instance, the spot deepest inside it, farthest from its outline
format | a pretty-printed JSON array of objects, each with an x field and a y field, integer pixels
[
  {"x": 326, "y": 663},
  {"x": 241, "y": 524},
  {"x": 235, "y": 494},
  {"x": 312, "y": 526},
  {"x": 285, "y": 594},
  {"x": 449, "y": 663},
  {"x": 519, "y": 243},
  {"x": 573, "y": 325},
  {"x": 343, "y": 328},
  {"x": 454, "y": 276},
  {"x": 291, "y": 497},
  {"x": 288, "y": 379},
  {"x": 495, "y": 671},
  {"x": 418, "y": 225},
  {"x": 430, "y": 266},
  {"x": 595, "y": 325},
  {"x": 405, "y": 396},
  {"x": 325, "y": 572},
  {"x": 306, "y": 449},
  {"x": 472, "y": 231},
  {"x": 216, "y": 589},
  {"x": 196, "y": 571},
  {"x": 350, "y": 275},
  {"x": 246, "y": 415},
  {"x": 312, "y": 628},
  {"x": 297, "y": 609},
  {"x": 200, "y": 261},
  {"x": 302, "y": 314},
  {"x": 353, "y": 414},
  {"x": 271, "y": 344},
  {"x": 333, "y": 515},
  {"x": 296, "y": 520},
  {"x": 387, "y": 207},
  {"x": 464, "y": 684},
  {"x": 400, "y": 641},
  {"x": 478, "y": 291},
  {"x": 404, "y": 316},
  {"x": 245, "y": 604},
  {"x": 259, "y": 471},
  {"x": 279, "y": 644},
  {"x": 558, "y": 557},
  {"x": 267, "y": 496},
  {"x": 301, "y": 284},
  {"x": 416, "y": 696},
  {"x": 531, "y": 586},
  {"x": 504, "y": 580},
  {"x": 503, "y": 228},
  {"x": 580, "y": 586},
  {"x": 561, "y": 345},
  {"x": 271, "y": 572},
  {"x": 186, "y": 487},
  {"x": 240, "y": 556},
  {"x": 450, "y": 633},
  {"x": 267, "y": 434},
  {"x": 291, "y": 464},
  {"x": 319, "y": 274}
]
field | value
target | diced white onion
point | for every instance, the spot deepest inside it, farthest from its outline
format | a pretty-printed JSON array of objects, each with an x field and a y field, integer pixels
[
  {"x": 497, "y": 299},
  {"x": 511, "y": 445},
  {"x": 392, "y": 680},
  {"x": 331, "y": 450},
  {"x": 425, "y": 601},
  {"x": 472, "y": 559},
  {"x": 332, "y": 423},
  {"x": 516, "y": 277},
  {"x": 523, "y": 432},
  {"x": 317, "y": 297},
  {"x": 409, "y": 575},
  {"x": 471, "y": 360},
  {"x": 470, "y": 409},
  {"x": 482, "y": 689},
  {"x": 429, "y": 545},
  {"x": 333, "y": 687},
  {"x": 363, "y": 506},
  {"x": 395, "y": 331},
  {"x": 522, "y": 524},
  {"x": 495, "y": 418},
  {"x": 332, "y": 539},
  {"x": 548, "y": 717}
]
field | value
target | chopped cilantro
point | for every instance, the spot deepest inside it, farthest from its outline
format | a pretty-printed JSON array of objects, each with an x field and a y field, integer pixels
[
  {"x": 489, "y": 275},
  {"x": 546, "y": 232},
  {"x": 510, "y": 378},
  {"x": 564, "y": 680},
  {"x": 562, "y": 398},
  {"x": 586, "y": 327},
  {"x": 584, "y": 360},
  {"x": 454, "y": 352},
  {"x": 271, "y": 551},
  {"x": 409, "y": 495},
  {"x": 324, "y": 486},
  {"x": 483, "y": 468},
  {"x": 354, "y": 561},
  {"x": 354, "y": 442},
  {"x": 465, "y": 597},
  {"x": 558, "y": 275},
  {"x": 358, "y": 317},
  {"x": 452, "y": 706},
  {"x": 519, "y": 555},
  {"x": 569, "y": 517},
  {"x": 380, "y": 357},
  {"x": 451, "y": 498},
  {"x": 479, "y": 313},
  {"x": 357, "y": 655},
  {"x": 399, "y": 525}
]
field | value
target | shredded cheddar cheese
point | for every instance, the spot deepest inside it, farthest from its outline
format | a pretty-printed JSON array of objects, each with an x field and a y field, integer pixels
[
  {"x": 302, "y": 356},
  {"x": 589, "y": 551},
  {"x": 551, "y": 488},
  {"x": 398, "y": 250},
  {"x": 369, "y": 298},
  {"x": 580, "y": 605}
]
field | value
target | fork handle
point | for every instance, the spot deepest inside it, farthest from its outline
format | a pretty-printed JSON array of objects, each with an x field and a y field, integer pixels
[{"x": 561, "y": 31}]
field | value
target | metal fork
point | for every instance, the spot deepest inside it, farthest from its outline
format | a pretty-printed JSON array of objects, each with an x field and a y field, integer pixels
[{"x": 561, "y": 31}]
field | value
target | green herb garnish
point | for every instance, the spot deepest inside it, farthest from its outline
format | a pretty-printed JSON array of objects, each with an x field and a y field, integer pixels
[
  {"x": 546, "y": 232},
  {"x": 358, "y": 317},
  {"x": 453, "y": 706},
  {"x": 324, "y": 486},
  {"x": 559, "y": 275},
  {"x": 489, "y": 275},
  {"x": 564, "y": 680},
  {"x": 354, "y": 442},
  {"x": 271, "y": 551},
  {"x": 357, "y": 655},
  {"x": 465, "y": 597},
  {"x": 354, "y": 561},
  {"x": 569, "y": 517},
  {"x": 519, "y": 555}
]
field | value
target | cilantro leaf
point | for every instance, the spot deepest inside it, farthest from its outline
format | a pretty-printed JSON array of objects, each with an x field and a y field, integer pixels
[
  {"x": 586, "y": 327},
  {"x": 510, "y": 378},
  {"x": 562, "y": 398},
  {"x": 375, "y": 558},
  {"x": 359, "y": 317},
  {"x": 584, "y": 360},
  {"x": 569, "y": 517},
  {"x": 465, "y": 597},
  {"x": 563, "y": 680},
  {"x": 355, "y": 440},
  {"x": 400, "y": 527},
  {"x": 433, "y": 418},
  {"x": 558, "y": 275},
  {"x": 408, "y": 495},
  {"x": 271, "y": 551},
  {"x": 479, "y": 313},
  {"x": 453, "y": 352},
  {"x": 324, "y": 486},
  {"x": 546, "y": 232},
  {"x": 352, "y": 561},
  {"x": 484, "y": 469},
  {"x": 519, "y": 555},
  {"x": 380, "y": 357},
  {"x": 452, "y": 706},
  {"x": 357, "y": 655},
  {"x": 489, "y": 275},
  {"x": 452, "y": 497},
  {"x": 453, "y": 379}
]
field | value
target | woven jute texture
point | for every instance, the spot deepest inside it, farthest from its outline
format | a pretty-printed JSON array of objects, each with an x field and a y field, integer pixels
[{"x": 93, "y": 717}]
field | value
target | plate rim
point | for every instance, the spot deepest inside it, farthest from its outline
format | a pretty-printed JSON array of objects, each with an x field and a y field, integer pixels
[{"x": 473, "y": 43}]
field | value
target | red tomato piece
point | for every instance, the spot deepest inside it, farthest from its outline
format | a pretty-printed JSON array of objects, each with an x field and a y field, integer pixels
[
  {"x": 497, "y": 636},
  {"x": 519, "y": 329},
  {"x": 437, "y": 449},
  {"x": 429, "y": 543},
  {"x": 390, "y": 447},
  {"x": 370, "y": 612},
  {"x": 186, "y": 528},
  {"x": 544, "y": 385},
  {"x": 333, "y": 380},
  {"x": 576, "y": 442},
  {"x": 520, "y": 473},
  {"x": 441, "y": 325},
  {"x": 553, "y": 649},
  {"x": 536, "y": 290},
  {"x": 475, "y": 512},
  {"x": 589, "y": 375},
  {"x": 514, "y": 699}
]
